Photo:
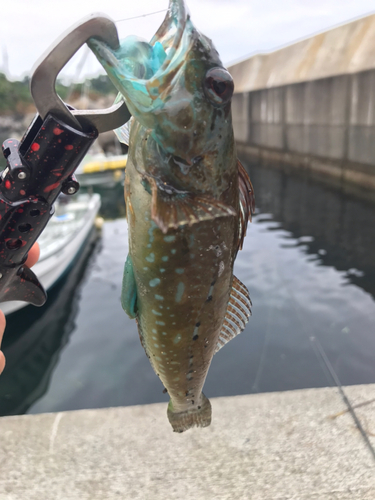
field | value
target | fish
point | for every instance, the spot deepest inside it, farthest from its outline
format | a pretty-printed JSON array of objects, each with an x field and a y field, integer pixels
[{"x": 188, "y": 201}]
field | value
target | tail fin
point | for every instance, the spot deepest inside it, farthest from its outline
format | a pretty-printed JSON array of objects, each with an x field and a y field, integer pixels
[{"x": 198, "y": 416}]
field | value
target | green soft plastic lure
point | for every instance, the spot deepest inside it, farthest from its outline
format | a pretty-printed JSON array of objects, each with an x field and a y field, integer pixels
[{"x": 188, "y": 201}]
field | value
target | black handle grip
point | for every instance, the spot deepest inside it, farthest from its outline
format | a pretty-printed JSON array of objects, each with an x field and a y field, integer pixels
[{"x": 38, "y": 169}]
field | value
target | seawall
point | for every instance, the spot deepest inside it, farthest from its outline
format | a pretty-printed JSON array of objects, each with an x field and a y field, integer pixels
[{"x": 312, "y": 106}]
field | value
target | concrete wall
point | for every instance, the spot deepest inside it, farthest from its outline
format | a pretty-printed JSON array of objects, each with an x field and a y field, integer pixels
[
  {"x": 330, "y": 119},
  {"x": 312, "y": 104},
  {"x": 347, "y": 49}
]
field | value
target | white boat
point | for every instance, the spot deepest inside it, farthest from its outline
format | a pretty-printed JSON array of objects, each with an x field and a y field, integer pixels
[
  {"x": 101, "y": 170},
  {"x": 61, "y": 241}
]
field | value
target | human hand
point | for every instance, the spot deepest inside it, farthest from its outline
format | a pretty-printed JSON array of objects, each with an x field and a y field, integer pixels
[{"x": 31, "y": 260}]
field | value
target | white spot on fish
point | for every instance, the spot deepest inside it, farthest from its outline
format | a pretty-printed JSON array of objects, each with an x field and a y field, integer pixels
[
  {"x": 218, "y": 251},
  {"x": 221, "y": 268},
  {"x": 154, "y": 331},
  {"x": 164, "y": 333},
  {"x": 154, "y": 282},
  {"x": 180, "y": 291},
  {"x": 176, "y": 379},
  {"x": 145, "y": 269},
  {"x": 173, "y": 251},
  {"x": 179, "y": 270},
  {"x": 150, "y": 258},
  {"x": 157, "y": 313},
  {"x": 162, "y": 270},
  {"x": 169, "y": 239},
  {"x": 159, "y": 297},
  {"x": 161, "y": 323},
  {"x": 158, "y": 358},
  {"x": 177, "y": 338},
  {"x": 156, "y": 345},
  {"x": 165, "y": 258}
]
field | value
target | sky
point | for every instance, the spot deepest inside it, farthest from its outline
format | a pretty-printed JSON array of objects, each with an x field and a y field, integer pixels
[{"x": 238, "y": 28}]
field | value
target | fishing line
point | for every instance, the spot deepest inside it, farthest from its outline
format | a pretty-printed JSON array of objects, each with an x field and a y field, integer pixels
[
  {"x": 143, "y": 15},
  {"x": 323, "y": 359},
  {"x": 319, "y": 350},
  {"x": 79, "y": 68}
]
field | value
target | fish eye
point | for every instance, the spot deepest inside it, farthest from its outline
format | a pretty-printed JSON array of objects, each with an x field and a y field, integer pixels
[{"x": 218, "y": 86}]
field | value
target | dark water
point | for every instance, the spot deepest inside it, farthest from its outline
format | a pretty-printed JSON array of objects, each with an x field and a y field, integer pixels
[{"x": 308, "y": 262}]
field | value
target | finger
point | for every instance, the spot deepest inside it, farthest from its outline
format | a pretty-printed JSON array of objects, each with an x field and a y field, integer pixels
[
  {"x": 2, "y": 325},
  {"x": 33, "y": 255},
  {"x": 2, "y": 328},
  {"x": 2, "y": 362}
]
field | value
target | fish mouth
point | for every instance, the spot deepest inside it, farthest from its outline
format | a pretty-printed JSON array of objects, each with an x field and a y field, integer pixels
[{"x": 144, "y": 84}]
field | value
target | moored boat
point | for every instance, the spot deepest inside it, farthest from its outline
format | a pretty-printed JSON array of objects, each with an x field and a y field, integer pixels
[
  {"x": 102, "y": 170},
  {"x": 61, "y": 241}
]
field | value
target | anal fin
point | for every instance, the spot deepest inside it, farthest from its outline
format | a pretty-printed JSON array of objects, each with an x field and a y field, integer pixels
[
  {"x": 170, "y": 210},
  {"x": 237, "y": 315}
]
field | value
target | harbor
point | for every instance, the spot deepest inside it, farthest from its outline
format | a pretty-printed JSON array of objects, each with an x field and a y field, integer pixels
[{"x": 83, "y": 412}]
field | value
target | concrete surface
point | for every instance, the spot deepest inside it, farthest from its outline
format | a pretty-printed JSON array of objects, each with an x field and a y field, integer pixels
[{"x": 293, "y": 445}]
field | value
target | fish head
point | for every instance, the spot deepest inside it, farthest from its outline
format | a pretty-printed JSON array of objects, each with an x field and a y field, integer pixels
[{"x": 175, "y": 86}]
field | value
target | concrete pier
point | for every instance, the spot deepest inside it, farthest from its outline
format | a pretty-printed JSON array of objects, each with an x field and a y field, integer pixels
[{"x": 292, "y": 445}]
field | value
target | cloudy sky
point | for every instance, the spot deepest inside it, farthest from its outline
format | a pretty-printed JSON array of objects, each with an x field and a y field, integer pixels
[{"x": 237, "y": 27}]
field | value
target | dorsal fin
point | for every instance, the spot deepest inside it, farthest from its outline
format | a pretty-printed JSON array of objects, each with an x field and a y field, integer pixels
[
  {"x": 237, "y": 315},
  {"x": 247, "y": 202}
]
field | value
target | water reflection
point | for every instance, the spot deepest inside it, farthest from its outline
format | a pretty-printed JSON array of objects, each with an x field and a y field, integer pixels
[
  {"x": 35, "y": 336},
  {"x": 331, "y": 225},
  {"x": 308, "y": 264},
  {"x": 113, "y": 203}
]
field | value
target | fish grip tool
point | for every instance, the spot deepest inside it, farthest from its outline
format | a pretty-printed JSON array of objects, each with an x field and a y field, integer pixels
[{"x": 42, "y": 164}]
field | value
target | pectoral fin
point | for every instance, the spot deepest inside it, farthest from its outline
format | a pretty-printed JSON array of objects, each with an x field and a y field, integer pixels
[
  {"x": 170, "y": 210},
  {"x": 237, "y": 315},
  {"x": 129, "y": 290}
]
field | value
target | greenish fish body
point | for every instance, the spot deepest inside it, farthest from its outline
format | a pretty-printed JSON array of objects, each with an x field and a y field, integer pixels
[{"x": 188, "y": 201}]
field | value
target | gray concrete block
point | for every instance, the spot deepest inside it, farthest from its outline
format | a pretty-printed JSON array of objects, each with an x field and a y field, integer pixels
[
  {"x": 278, "y": 446},
  {"x": 240, "y": 112},
  {"x": 361, "y": 146}
]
